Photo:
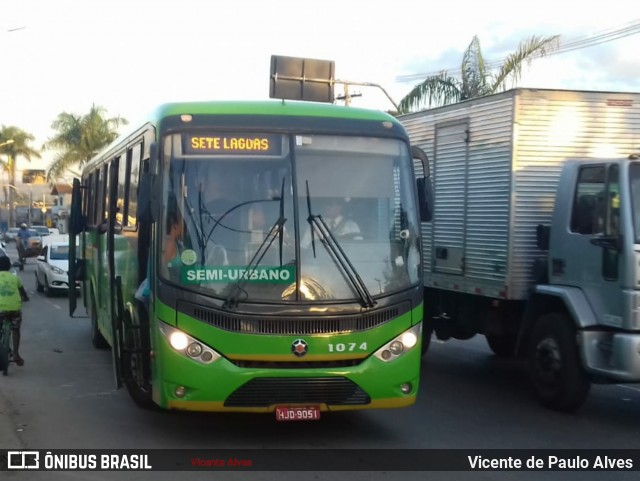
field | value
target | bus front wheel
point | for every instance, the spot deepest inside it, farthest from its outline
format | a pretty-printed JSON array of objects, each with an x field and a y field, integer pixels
[
  {"x": 97, "y": 339},
  {"x": 136, "y": 370}
]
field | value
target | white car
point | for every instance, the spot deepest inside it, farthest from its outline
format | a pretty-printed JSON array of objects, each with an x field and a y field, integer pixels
[
  {"x": 3, "y": 252},
  {"x": 52, "y": 268}
]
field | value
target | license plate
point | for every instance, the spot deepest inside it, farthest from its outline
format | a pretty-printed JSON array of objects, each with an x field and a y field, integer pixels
[{"x": 297, "y": 413}]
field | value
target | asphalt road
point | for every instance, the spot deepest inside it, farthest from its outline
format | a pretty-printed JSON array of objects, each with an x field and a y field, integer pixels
[{"x": 64, "y": 398}]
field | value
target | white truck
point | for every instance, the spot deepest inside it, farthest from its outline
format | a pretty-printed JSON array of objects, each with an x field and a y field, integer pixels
[{"x": 535, "y": 236}]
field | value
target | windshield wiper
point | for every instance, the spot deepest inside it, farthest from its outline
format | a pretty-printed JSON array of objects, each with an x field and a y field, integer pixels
[
  {"x": 281, "y": 230},
  {"x": 335, "y": 249},
  {"x": 199, "y": 233},
  {"x": 310, "y": 221},
  {"x": 278, "y": 227}
]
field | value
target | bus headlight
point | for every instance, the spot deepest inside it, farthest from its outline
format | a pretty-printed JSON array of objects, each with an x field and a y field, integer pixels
[
  {"x": 409, "y": 339},
  {"x": 188, "y": 346},
  {"x": 194, "y": 349},
  {"x": 400, "y": 345},
  {"x": 396, "y": 347},
  {"x": 178, "y": 340}
]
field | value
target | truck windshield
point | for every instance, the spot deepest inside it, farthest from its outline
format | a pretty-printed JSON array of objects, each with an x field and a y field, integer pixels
[{"x": 236, "y": 223}]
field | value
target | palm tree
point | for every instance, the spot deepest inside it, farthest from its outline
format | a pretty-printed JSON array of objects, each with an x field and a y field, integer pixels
[
  {"x": 18, "y": 148},
  {"x": 79, "y": 138},
  {"x": 477, "y": 77}
]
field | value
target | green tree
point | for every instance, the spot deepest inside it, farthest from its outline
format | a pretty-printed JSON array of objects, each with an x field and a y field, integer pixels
[
  {"x": 477, "y": 78},
  {"x": 19, "y": 148},
  {"x": 80, "y": 137}
]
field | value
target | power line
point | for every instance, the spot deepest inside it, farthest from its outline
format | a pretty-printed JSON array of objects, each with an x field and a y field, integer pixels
[{"x": 603, "y": 36}]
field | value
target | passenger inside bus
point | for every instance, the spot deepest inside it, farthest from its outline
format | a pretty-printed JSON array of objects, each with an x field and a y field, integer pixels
[
  {"x": 342, "y": 227},
  {"x": 173, "y": 239},
  {"x": 218, "y": 212},
  {"x": 216, "y": 193}
]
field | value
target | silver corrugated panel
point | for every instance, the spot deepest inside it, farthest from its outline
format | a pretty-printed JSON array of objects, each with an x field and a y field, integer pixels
[
  {"x": 505, "y": 179},
  {"x": 488, "y": 194},
  {"x": 552, "y": 126},
  {"x": 471, "y": 170},
  {"x": 450, "y": 159}
]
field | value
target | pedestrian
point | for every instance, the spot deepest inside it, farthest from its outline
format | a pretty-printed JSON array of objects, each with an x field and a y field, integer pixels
[{"x": 22, "y": 240}]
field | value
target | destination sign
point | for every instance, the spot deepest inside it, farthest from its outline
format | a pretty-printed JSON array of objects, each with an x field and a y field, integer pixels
[{"x": 233, "y": 144}]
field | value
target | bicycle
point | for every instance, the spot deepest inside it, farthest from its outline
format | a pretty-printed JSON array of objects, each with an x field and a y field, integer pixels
[{"x": 6, "y": 340}]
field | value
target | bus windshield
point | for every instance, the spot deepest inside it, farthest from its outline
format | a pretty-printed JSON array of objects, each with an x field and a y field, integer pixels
[{"x": 244, "y": 216}]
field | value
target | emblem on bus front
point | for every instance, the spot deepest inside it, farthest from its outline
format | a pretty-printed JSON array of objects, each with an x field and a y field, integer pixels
[{"x": 299, "y": 347}]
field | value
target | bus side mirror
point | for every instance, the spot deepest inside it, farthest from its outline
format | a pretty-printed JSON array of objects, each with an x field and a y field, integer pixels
[
  {"x": 149, "y": 197},
  {"x": 425, "y": 198},
  {"x": 154, "y": 159},
  {"x": 424, "y": 185},
  {"x": 76, "y": 220},
  {"x": 418, "y": 154},
  {"x": 144, "y": 211}
]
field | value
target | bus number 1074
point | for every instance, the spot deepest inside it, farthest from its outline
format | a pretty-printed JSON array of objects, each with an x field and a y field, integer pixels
[{"x": 347, "y": 347}]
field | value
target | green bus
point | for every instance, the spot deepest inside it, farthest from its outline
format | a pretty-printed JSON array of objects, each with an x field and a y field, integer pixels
[{"x": 257, "y": 301}]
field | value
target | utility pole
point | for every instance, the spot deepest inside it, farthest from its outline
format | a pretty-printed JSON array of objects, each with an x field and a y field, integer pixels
[
  {"x": 30, "y": 202},
  {"x": 9, "y": 142},
  {"x": 346, "y": 96}
]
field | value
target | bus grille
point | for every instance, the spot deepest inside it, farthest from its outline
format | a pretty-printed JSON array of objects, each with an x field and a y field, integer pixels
[
  {"x": 297, "y": 364},
  {"x": 289, "y": 326},
  {"x": 335, "y": 391}
]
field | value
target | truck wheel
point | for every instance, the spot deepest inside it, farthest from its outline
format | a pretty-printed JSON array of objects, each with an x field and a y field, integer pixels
[{"x": 554, "y": 362}]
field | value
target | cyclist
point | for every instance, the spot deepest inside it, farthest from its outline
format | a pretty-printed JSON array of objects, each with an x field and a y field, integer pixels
[
  {"x": 12, "y": 293},
  {"x": 22, "y": 237}
]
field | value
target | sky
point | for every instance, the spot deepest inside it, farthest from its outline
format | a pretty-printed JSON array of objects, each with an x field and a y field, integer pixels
[{"x": 129, "y": 56}]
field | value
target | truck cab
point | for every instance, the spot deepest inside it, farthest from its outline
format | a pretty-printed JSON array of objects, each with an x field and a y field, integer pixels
[{"x": 584, "y": 323}]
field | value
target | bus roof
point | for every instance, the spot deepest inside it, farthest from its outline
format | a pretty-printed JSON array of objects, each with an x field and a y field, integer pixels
[
  {"x": 270, "y": 107},
  {"x": 289, "y": 110}
]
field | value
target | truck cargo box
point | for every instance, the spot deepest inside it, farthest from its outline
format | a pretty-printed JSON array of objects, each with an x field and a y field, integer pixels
[{"x": 495, "y": 163}]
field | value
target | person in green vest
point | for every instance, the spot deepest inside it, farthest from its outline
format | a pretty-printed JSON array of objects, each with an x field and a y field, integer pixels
[{"x": 12, "y": 294}]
